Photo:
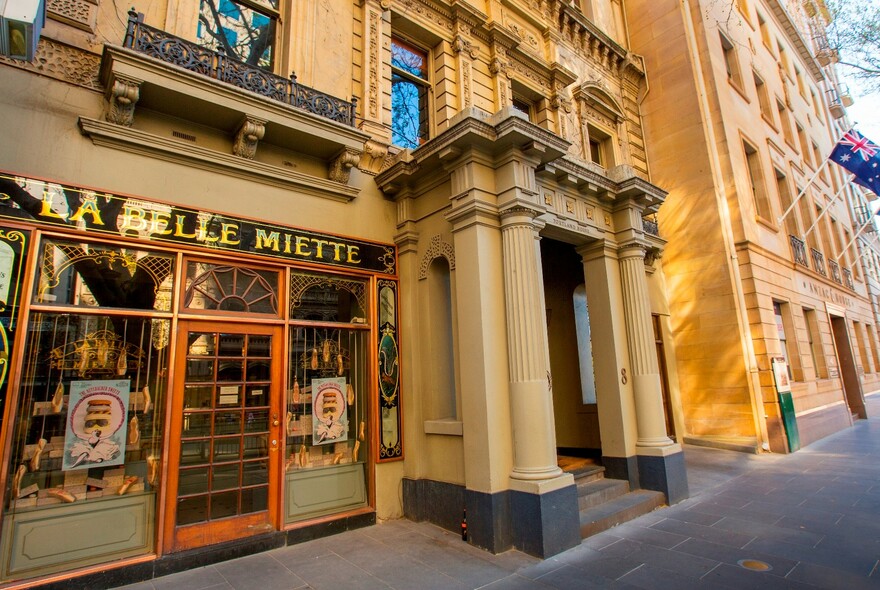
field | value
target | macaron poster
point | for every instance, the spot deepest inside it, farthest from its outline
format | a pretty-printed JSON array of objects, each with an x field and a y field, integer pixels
[{"x": 96, "y": 417}]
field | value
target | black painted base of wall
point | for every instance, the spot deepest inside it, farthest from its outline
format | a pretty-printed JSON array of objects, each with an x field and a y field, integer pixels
[
  {"x": 626, "y": 468},
  {"x": 665, "y": 474},
  {"x": 195, "y": 558},
  {"x": 540, "y": 525},
  {"x": 545, "y": 524}
]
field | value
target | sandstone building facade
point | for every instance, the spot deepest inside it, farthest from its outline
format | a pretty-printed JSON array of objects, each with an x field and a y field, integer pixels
[
  {"x": 744, "y": 107},
  {"x": 244, "y": 308}
]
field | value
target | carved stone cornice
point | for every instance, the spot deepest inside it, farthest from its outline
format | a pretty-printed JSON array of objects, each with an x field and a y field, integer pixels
[{"x": 250, "y": 132}]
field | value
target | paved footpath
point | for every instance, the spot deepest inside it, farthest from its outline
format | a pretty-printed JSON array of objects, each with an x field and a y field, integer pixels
[{"x": 812, "y": 518}]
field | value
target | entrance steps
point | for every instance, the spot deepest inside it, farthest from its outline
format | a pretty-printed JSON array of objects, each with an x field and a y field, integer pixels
[{"x": 604, "y": 503}]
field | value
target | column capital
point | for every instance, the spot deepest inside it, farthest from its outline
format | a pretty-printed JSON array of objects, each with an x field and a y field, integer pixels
[
  {"x": 633, "y": 249},
  {"x": 518, "y": 214}
]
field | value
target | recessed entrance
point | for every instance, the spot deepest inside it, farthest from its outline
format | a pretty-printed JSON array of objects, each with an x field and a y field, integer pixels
[{"x": 571, "y": 361}]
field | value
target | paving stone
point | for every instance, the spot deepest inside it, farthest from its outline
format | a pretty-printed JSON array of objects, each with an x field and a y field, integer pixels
[
  {"x": 699, "y": 531},
  {"x": 732, "y": 555},
  {"x": 654, "y": 578},
  {"x": 572, "y": 578}
]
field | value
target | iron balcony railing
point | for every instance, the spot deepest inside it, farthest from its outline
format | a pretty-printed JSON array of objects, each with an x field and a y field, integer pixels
[
  {"x": 799, "y": 251},
  {"x": 818, "y": 262},
  {"x": 650, "y": 226},
  {"x": 835, "y": 271},
  {"x": 170, "y": 49},
  {"x": 847, "y": 279}
]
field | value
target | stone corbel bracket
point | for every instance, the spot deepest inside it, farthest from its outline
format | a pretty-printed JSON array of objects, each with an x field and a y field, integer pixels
[
  {"x": 373, "y": 158},
  {"x": 122, "y": 93},
  {"x": 249, "y": 133},
  {"x": 340, "y": 167}
]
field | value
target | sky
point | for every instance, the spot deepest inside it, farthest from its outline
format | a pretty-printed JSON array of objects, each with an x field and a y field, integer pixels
[{"x": 865, "y": 115}]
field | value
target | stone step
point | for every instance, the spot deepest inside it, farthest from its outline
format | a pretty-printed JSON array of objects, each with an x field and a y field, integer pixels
[
  {"x": 593, "y": 493},
  {"x": 588, "y": 473},
  {"x": 619, "y": 510}
]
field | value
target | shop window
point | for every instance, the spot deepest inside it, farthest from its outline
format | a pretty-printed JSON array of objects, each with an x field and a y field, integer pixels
[
  {"x": 814, "y": 339},
  {"x": 106, "y": 276},
  {"x": 87, "y": 446},
  {"x": 243, "y": 30},
  {"x": 327, "y": 298},
  {"x": 327, "y": 439},
  {"x": 756, "y": 182},
  {"x": 584, "y": 345},
  {"x": 227, "y": 288},
  {"x": 409, "y": 94},
  {"x": 789, "y": 349},
  {"x": 763, "y": 98},
  {"x": 731, "y": 62}
]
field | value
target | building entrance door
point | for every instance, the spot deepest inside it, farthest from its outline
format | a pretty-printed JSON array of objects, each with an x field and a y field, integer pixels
[
  {"x": 848, "y": 372},
  {"x": 223, "y": 469}
]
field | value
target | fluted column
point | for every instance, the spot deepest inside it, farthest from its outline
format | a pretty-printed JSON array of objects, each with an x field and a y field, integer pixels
[
  {"x": 534, "y": 437},
  {"x": 647, "y": 388}
]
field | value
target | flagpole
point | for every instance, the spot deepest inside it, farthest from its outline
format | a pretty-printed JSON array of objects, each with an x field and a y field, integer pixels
[
  {"x": 825, "y": 210},
  {"x": 855, "y": 237},
  {"x": 803, "y": 191}
]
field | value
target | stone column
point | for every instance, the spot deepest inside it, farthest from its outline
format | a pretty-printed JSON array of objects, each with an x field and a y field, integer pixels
[
  {"x": 651, "y": 426},
  {"x": 531, "y": 406},
  {"x": 660, "y": 460}
]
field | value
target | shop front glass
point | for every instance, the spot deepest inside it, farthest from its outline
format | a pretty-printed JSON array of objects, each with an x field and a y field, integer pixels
[
  {"x": 325, "y": 423},
  {"x": 86, "y": 456}
]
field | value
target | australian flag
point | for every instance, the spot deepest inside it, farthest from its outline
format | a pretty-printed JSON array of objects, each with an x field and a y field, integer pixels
[{"x": 861, "y": 156}]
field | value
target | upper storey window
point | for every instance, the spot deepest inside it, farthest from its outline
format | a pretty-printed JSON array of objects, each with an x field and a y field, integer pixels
[
  {"x": 242, "y": 30},
  {"x": 409, "y": 94}
]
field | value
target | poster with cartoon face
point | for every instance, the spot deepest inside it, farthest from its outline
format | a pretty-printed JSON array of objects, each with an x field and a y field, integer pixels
[
  {"x": 329, "y": 411},
  {"x": 96, "y": 419}
]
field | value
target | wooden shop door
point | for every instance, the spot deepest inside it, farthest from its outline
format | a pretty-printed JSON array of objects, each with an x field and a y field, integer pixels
[{"x": 224, "y": 454}]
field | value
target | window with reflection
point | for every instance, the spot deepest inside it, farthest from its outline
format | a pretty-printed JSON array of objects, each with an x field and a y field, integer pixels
[
  {"x": 90, "y": 414},
  {"x": 242, "y": 30},
  {"x": 103, "y": 275},
  {"x": 219, "y": 287},
  {"x": 409, "y": 94},
  {"x": 326, "y": 419}
]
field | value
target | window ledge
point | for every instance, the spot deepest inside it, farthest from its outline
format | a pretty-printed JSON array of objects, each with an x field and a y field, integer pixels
[
  {"x": 175, "y": 150},
  {"x": 446, "y": 426}
]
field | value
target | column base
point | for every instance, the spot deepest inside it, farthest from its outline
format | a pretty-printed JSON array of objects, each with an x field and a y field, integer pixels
[
  {"x": 664, "y": 473},
  {"x": 545, "y": 524},
  {"x": 626, "y": 468}
]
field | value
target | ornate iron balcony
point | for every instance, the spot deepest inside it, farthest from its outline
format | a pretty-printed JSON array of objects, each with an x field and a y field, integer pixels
[
  {"x": 835, "y": 271},
  {"x": 799, "y": 251},
  {"x": 650, "y": 226},
  {"x": 166, "y": 47},
  {"x": 847, "y": 279},
  {"x": 818, "y": 262}
]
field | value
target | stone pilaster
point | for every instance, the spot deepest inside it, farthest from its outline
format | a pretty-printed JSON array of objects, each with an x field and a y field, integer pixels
[{"x": 534, "y": 453}]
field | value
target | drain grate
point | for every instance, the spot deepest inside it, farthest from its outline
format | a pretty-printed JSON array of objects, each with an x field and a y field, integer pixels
[{"x": 755, "y": 565}]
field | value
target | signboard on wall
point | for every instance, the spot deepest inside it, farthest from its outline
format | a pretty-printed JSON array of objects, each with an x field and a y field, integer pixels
[
  {"x": 780, "y": 374},
  {"x": 104, "y": 213}
]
